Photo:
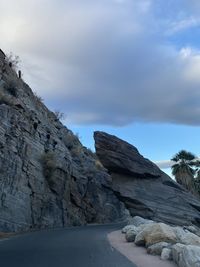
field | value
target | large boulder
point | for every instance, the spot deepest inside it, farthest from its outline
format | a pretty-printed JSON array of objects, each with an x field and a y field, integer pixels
[
  {"x": 120, "y": 157},
  {"x": 155, "y": 233},
  {"x": 145, "y": 190},
  {"x": 186, "y": 237},
  {"x": 131, "y": 234},
  {"x": 186, "y": 256},
  {"x": 126, "y": 228},
  {"x": 177, "y": 252},
  {"x": 166, "y": 254},
  {"x": 131, "y": 231},
  {"x": 190, "y": 239},
  {"x": 156, "y": 249},
  {"x": 190, "y": 257}
]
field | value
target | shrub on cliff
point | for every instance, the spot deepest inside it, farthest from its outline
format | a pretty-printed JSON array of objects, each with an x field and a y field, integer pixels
[
  {"x": 59, "y": 115},
  {"x": 71, "y": 141},
  {"x": 5, "y": 99},
  {"x": 49, "y": 164},
  {"x": 11, "y": 88},
  {"x": 38, "y": 98},
  {"x": 99, "y": 165},
  {"x": 13, "y": 61}
]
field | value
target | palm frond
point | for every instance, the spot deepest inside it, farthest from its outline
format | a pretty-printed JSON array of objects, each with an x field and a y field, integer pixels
[
  {"x": 183, "y": 155},
  {"x": 185, "y": 170}
]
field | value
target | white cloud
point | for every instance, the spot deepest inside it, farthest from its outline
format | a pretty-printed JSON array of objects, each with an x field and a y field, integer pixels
[
  {"x": 192, "y": 68},
  {"x": 104, "y": 62},
  {"x": 183, "y": 24},
  {"x": 164, "y": 164}
]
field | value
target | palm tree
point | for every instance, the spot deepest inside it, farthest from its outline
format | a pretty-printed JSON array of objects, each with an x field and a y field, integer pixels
[
  {"x": 197, "y": 180},
  {"x": 184, "y": 169}
]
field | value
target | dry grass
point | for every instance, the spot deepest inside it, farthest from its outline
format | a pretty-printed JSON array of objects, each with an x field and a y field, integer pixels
[
  {"x": 99, "y": 165},
  {"x": 49, "y": 164},
  {"x": 5, "y": 99},
  {"x": 76, "y": 151},
  {"x": 38, "y": 98},
  {"x": 6, "y": 235},
  {"x": 11, "y": 88},
  {"x": 59, "y": 115},
  {"x": 71, "y": 141}
]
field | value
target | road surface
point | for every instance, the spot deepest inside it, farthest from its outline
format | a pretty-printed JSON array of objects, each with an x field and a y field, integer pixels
[{"x": 73, "y": 247}]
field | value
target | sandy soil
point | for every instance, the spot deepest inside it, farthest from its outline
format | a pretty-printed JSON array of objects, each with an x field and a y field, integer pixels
[
  {"x": 6, "y": 235},
  {"x": 137, "y": 255}
]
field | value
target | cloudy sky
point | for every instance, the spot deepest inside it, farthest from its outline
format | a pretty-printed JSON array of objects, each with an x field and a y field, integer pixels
[{"x": 129, "y": 67}]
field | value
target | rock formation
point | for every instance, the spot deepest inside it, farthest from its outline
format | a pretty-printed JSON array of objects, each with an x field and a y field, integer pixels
[
  {"x": 142, "y": 186},
  {"x": 47, "y": 178},
  {"x": 180, "y": 244}
]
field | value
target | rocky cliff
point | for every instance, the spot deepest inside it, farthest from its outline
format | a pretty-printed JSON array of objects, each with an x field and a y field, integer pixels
[
  {"x": 142, "y": 186},
  {"x": 47, "y": 178}
]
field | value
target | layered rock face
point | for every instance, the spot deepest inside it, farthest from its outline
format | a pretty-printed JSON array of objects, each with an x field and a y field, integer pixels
[
  {"x": 47, "y": 178},
  {"x": 142, "y": 186}
]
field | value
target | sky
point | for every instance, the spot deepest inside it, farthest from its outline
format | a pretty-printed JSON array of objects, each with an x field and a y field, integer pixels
[{"x": 127, "y": 67}]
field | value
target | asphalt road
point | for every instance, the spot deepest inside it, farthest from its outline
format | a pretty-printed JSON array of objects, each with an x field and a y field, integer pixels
[{"x": 73, "y": 247}]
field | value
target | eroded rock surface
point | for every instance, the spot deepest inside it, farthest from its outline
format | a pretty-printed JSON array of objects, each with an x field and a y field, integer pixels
[
  {"x": 156, "y": 249},
  {"x": 47, "y": 178},
  {"x": 186, "y": 256},
  {"x": 142, "y": 186}
]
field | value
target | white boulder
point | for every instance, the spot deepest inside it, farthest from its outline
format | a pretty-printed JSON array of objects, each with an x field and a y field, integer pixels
[
  {"x": 166, "y": 254},
  {"x": 155, "y": 233},
  {"x": 156, "y": 249},
  {"x": 186, "y": 237},
  {"x": 189, "y": 256},
  {"x": 190, "y": 239},
  {"x": 131, "y": 234},
  {"x": 127, "y": 227},
  {"x": 176, "y": 252}
]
